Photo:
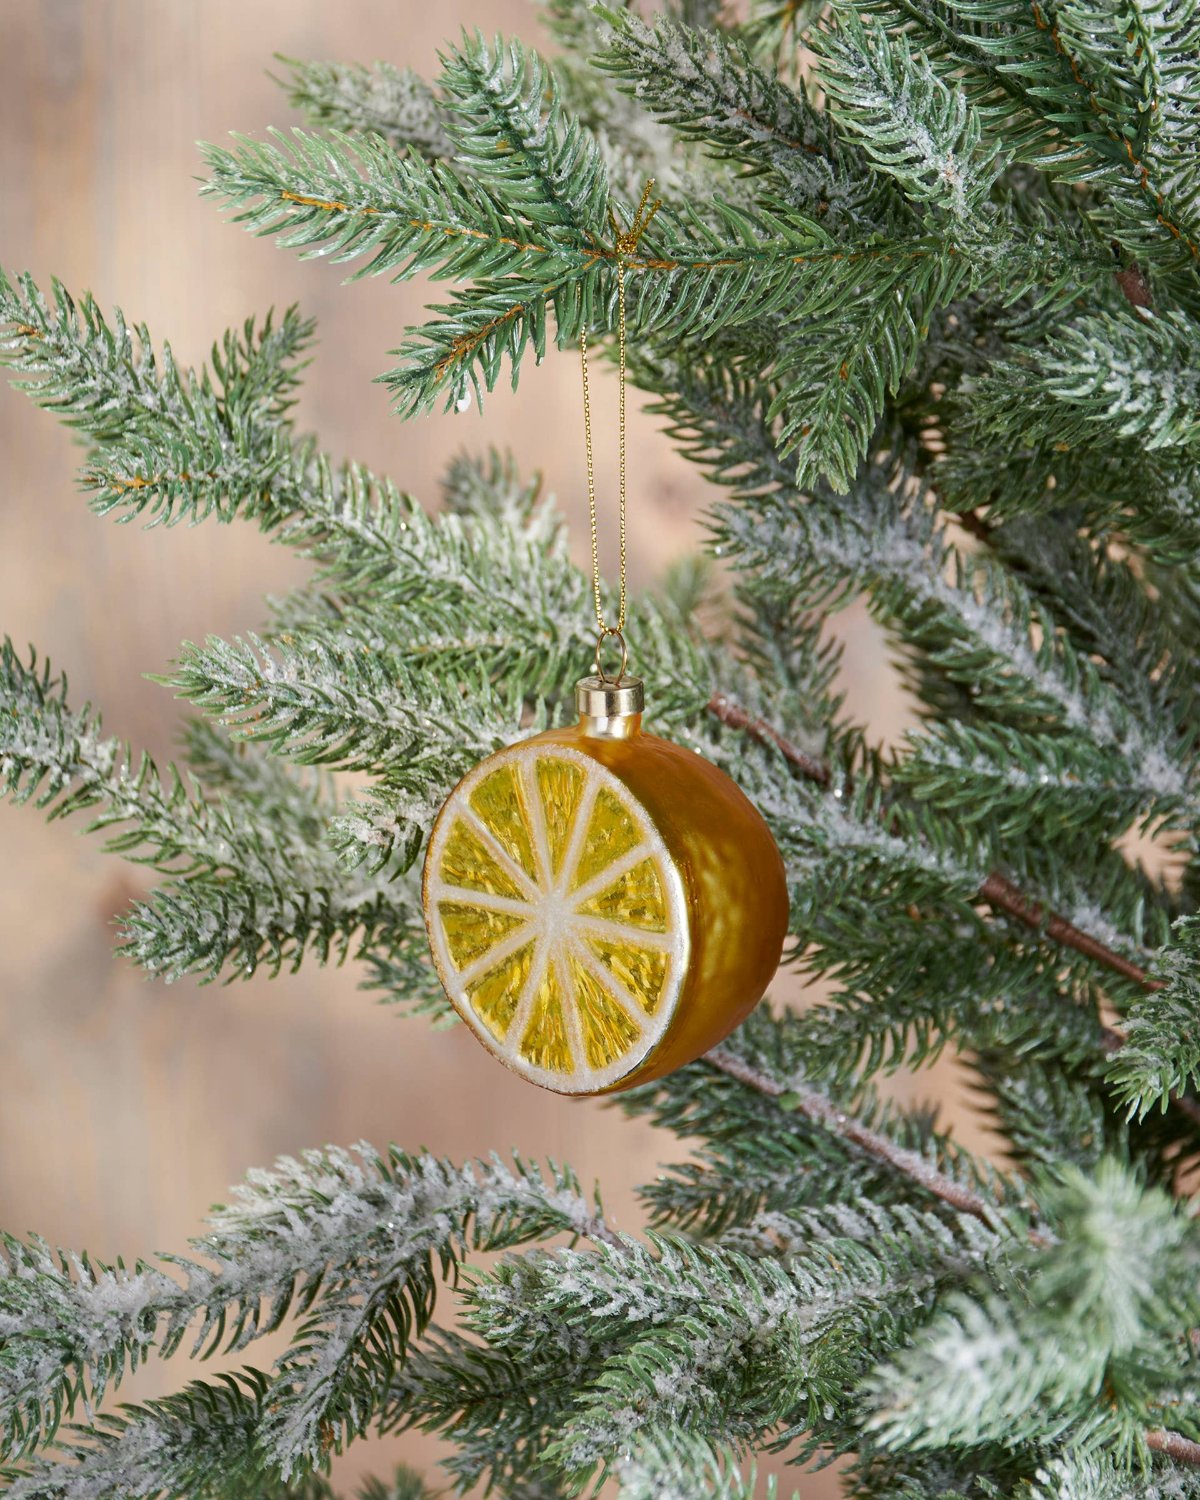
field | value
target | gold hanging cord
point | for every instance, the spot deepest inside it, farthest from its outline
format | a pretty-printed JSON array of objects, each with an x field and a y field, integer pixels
[{"x": 625, "y": 243}]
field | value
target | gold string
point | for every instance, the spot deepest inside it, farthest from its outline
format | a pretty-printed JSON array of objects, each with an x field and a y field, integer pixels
[{"x": 625, "y": 243}]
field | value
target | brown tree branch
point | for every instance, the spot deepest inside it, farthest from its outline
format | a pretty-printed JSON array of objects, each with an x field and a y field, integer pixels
[
  {"x": 819, "y": 1110},
  {"x": 997, "y": 890},
  {"x": 736, "y": 717},
  {"x": 1183, "y": 1450}
]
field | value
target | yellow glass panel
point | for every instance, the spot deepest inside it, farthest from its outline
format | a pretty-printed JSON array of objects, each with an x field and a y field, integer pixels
[
  {"x": 496, "y": 996},
  {"x": 641, "y": 971},
  {"x": 611, "y": 833},
  {"x": 608, "y": 1033},
  {"x": 500, "y": 802},
  {"x": 545, "y": 1043},
  {"x": 472, "y": 930},
  {"x": 561, "y": 786},
  {"x": 467, "y": 861},
  {"x": 635, "y": 900}
]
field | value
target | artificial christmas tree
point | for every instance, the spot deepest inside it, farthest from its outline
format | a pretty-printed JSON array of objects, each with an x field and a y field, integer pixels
[{"x": 923, "y": 296}]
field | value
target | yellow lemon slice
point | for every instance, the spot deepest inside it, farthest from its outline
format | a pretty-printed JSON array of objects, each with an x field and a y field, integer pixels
[{"x": 557, "y": 917}]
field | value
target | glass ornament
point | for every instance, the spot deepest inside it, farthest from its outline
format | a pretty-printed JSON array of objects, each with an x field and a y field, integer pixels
[{"x": 603, "y": 906}]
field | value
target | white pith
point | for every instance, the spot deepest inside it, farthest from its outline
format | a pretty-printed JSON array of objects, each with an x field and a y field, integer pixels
[{"x": 552, "y": 921}]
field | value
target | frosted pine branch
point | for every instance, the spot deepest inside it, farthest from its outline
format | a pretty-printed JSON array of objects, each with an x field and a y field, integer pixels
[
  {"x": 350, "y": 1241},
  {"x": 281, "y": 877},
  {"x": 202, "y": 1440},
  {"x": 669, "y": 1465},
  {"x": 690, "y": 1324},
  {"x": 711, "y": 90},
  {"x": 1160, "y": 1058},
  {"x": 822, "y": 1112},
  {"x": 395, "y": 103},
  {"x": 1020, "y": 1365}
]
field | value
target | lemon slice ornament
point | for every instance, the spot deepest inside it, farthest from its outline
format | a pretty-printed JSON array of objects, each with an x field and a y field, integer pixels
[{"x": 603, "y": 906}]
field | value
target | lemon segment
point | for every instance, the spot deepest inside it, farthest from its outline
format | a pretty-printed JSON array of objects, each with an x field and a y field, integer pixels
[
  {"x": 608, "y": 1030},
  {"x": 544, "y": 1042},
  {"x": 557, "y": 919},
  {"x": 495, "y": 996},
  {"x": 641, "y": 972},
  {"x": 561, "y": 787},
  {"x": 499, "y": 803},
  {"x": 472, "y": 930},
  {"x": 469, "y": 863},
  {"x": 611, "y": 833},
  {"x": 635, "y": 899}
]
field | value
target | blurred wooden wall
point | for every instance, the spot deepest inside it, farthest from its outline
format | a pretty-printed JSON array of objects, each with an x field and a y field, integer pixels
[{"x": 127, "y": 1107}]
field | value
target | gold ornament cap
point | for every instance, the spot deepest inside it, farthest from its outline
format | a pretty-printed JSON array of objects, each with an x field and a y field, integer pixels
[{"x": 609, "y": 697}]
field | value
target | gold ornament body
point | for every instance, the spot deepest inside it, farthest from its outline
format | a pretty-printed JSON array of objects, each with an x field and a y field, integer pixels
[{"x": 603, "y": 905}]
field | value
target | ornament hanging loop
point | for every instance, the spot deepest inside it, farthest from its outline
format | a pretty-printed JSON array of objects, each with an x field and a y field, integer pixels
[
  {"x": 625, "y": 244},
  {"x": 615, "y": 633}
]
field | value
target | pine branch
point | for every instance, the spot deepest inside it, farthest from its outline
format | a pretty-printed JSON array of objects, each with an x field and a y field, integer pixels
[
  {"x": 495, "y": 1410},
  {"x": 820, "y": 1111},
  {"x": 280, "y": 877},
  {"x": 774, "y": 1154},
  {"x": 1104, "y": 601},
  {"x": 529, "y": 256},
  {"x": 346, "y": 196},
  {"x": 1087, "y": 1478},
  {"x": 439, "y": 583},
  {"x": 355, "y": 198},
  {"x": 980, "y": 615},
  {"x": 1160, "y": 1060},
  {"x": 997, "y": 889},
  {"x": 1023, "y": 1362},
  {"x": 978, "y": 624},
  {"x": 1149, "y": 496},
  {"x": 329, "y": 699},
  {"x": 511, "y": 129},
  {"x": 1022, "y": 784},
  {"x": 920, "y": 130},
  {"x": 395, "y": 103},
  {"x": 1182, "y": 1449},
  {"x": 669, "y": 1465},
  {"x": 347, "y": 1242},
  {"x": 836, "y": 373},
  {"x": 324, "y": 704},
  {"x": 167, "y": 443},
  {"x": 337, "y": 1368},
  {"x": 150, "y": 453},
  {"x": 688, "y": 1320},
  {"x": 227, "y": 930},
  {"x": 1006, "y": 897},
  {"x": 201, "y": 1441},
  {"x": 1106, "y": 379},
  {"x": 704, "y": 278},
  {"x": 1053, "y": 111},
  {"x": 706, "y": 85},
  {"x": 736, "y": 717},
  {"x": 108, "y": 381},
  {"x": 1166, "y": 1039},
  {"x": 501, "y": 1411}
]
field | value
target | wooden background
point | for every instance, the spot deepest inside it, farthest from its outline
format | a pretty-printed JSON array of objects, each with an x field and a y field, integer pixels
[{"x": 126, "y": 1107}]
